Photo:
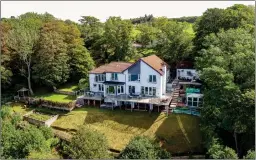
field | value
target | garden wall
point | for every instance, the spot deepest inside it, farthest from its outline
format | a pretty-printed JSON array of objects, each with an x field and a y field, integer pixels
[{"x": 36, "y": 122}]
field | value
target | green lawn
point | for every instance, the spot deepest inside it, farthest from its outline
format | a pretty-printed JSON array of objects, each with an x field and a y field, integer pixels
[
  {"x": 177, "y": 133},
  {"x": 40, "y": 116},
  {"x": 19, "y": 108},
  {"x": 69, "y": 87},
  {"x": 56, "y": 97}
]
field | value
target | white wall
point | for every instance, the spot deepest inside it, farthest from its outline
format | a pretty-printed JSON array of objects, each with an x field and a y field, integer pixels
[
  {"x": 145, "y": 71},
  {"x": 92, "y": 81},
  {"x": 183, "y": 73}
]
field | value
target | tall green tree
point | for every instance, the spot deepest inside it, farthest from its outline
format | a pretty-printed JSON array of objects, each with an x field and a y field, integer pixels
[
  {"x": 174, "y": 43},
  {"x": 116, "y": 42},
  {"x": 91, "y": 29},
  {"x": 215, "y": 19},
  {"x": 226, "y": 67},
  {"x": 51, "y": 67},
  {"x": 5, "y": 69}
]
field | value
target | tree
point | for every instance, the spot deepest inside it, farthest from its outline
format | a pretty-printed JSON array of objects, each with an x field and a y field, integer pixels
[
  {"x": 215, "y": 19},
  {"x": 174, "y": 43},
  {"x": 81, "y": 63},
  {"x": 5, "y": 69},
  {"x": 228, "y": 86},
  {"x": 91, "y": 29},
  {"x": 23, "y": 39},
  {"x": 116, "y": 42},
  {"x": 143, "y": 148},
  {"x": 51, "y": 58},
  {"x": 88, "y": 144}
]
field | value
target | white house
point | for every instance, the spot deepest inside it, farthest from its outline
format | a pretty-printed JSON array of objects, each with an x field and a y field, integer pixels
[{"x": 145, "y": 77}]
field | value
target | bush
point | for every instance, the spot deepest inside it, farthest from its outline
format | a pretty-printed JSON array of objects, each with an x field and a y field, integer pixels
[
  {"x": 217, "y": 151},
  {"x": 16, "y": 119},
  {"x": 83, "y": 83},
  {"x": 250, "y": 154},
  {"x": 88, "y": 144},
  {"x": 143, "y": 148},
  {"x": 5, "y": 112},
  {"x": 47, "y": 132}
]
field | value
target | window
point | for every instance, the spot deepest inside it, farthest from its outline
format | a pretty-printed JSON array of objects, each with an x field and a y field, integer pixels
[
  {"x": 100, "y": 77},
  {"x": 154, "y": 91},
  {"x": 151, "y": 91},
  {"x": 101, "y": 87},
  {"x": 114, "y": 76},
  {"x": 131, "y": 89},
  {"x": 194, "y": 102},
  {"x": 122, "y": 89},
  {"x": 152, "y": 78},
  {"x": 134, "y": 77},
  {"x": 142, "y": 90},
  {"x": 94, "y": 85}
]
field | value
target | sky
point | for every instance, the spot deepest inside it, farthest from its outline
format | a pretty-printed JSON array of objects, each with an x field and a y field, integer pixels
[{"x": 103, "y": 9}]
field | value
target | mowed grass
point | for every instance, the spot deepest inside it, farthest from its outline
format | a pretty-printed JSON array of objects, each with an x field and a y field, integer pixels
[
  {"x": 177, "y": 133},
  {"x": 69, "y": 87},
  {"x": 56, "y": 97},
  {"x": 19, "y": 108}
]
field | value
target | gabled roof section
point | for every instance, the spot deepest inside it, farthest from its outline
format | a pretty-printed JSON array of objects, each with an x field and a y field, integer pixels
[
  {"x": 113, "y": 67},
  {"x": 155, "y": 62}
]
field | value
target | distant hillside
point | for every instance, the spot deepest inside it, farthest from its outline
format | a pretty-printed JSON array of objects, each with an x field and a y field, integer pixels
[{"x": 190, "y": 19}]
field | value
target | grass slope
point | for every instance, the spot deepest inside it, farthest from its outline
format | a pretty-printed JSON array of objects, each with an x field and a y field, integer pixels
[
  {"x": 69, "y": 87},
  {"x": 178, "y": 133},
  {"x": 56, "y": 97}
]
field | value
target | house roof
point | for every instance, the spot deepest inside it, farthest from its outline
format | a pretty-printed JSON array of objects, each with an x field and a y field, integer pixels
[
  {"x": 155, "y": 62},
  {"x": 112, "y": 67}
]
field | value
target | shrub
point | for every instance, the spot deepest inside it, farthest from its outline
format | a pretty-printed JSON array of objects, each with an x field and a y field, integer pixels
[
  {"x": 143, "y": 148},
  {"x": 217, "y": 151},
  {"x": 88, "y": 144},
  {"x": 47, "y": 132},
  {"x": 5, "y": 112},
  {"x": 250, "y": 154},
  {"x": 16, "y": 119},
  {"x": 83, "y": 83}
]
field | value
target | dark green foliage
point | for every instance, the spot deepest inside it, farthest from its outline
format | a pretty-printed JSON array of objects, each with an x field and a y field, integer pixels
[
  {"x": 217, "y": 151},
  {"x": 250, "y": 154},
  {"x": 144, "y": 19},
  {"x": 227, "y": 70},
  {"x": 81, "y": 63},
  {"x": 19, "y": 140},
  {"x": 143, "y": 148},
  {"x": 88, "y": 144},
  {"x": 47, "y": 132},
  {"x": 190, "y": 19}
]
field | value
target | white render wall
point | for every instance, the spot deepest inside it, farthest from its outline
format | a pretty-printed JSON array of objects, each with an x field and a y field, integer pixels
[{"x": 145, "y": 71}]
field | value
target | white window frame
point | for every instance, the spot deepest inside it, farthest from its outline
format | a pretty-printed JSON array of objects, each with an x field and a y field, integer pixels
[
  {"x": 130, "y": 79},
  {"x": 152, "y": 79}
]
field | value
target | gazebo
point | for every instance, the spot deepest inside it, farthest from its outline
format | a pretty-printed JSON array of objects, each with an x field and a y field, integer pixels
[{"x": 21, "y": 92}]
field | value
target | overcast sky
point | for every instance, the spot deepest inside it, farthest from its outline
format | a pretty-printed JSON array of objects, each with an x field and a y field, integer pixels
[{"x": 102, "y": 10}]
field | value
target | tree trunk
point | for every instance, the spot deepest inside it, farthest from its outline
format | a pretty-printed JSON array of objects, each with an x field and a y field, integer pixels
[
  {"x": 29, "y": 80},
  {"x": 235, "y": 136}
]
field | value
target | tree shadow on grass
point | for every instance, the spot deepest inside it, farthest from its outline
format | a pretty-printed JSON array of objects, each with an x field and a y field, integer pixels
[{"x": 180, "y": 133}]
